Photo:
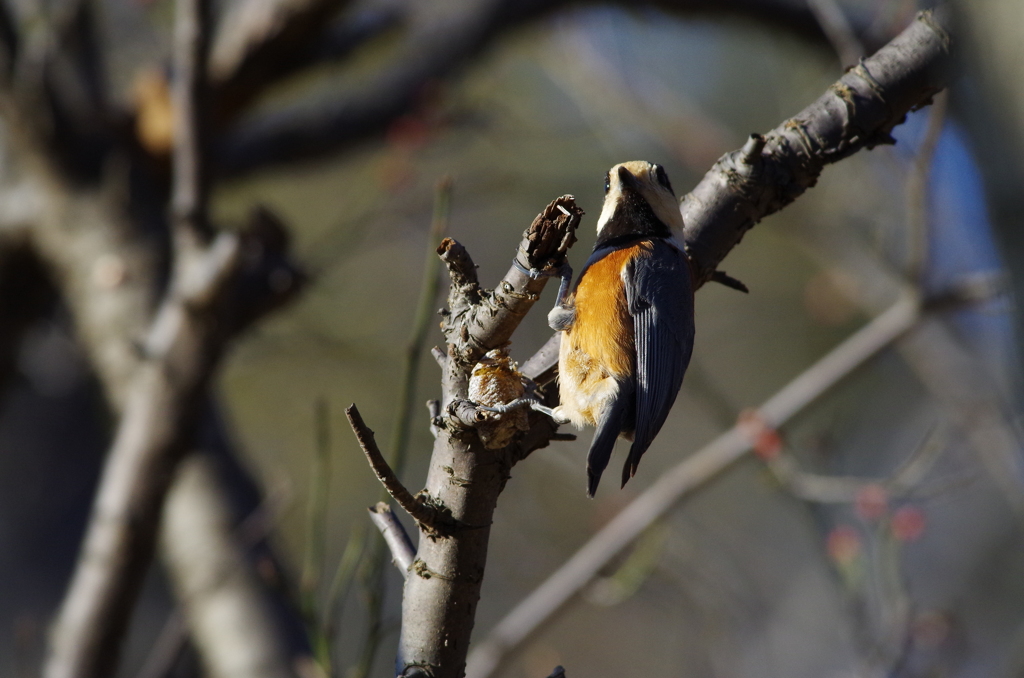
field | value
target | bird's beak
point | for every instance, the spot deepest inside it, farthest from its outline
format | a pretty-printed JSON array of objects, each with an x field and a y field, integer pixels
[{"x": 626, "y": 179}]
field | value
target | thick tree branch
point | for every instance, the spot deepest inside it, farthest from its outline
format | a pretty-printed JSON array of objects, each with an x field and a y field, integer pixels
[
  {"x": 166, "y": 394},
  {"x": 107, "y": 272},
  {"x": 220, "y": 598},
  {"x": 465, "y": 477},
  {"x": 158, "y": 424},
  {"x": 858, "y": 111}
]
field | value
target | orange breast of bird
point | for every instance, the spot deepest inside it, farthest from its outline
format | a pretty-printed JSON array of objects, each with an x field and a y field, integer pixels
[{"x": 599, "y": 346}]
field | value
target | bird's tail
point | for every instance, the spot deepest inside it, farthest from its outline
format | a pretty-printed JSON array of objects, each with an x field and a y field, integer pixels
[
  {"x": 635, "y": 452},
  {"x": 608, "y": 429}
]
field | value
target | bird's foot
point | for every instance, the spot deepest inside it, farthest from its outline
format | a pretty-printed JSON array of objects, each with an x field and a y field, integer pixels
[
  {"x": 520, "y": 403},
  {"x": 560, "y": 318}
]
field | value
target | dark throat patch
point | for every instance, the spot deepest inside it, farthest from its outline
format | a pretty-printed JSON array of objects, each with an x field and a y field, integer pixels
[{"x": 633, "y": 219}]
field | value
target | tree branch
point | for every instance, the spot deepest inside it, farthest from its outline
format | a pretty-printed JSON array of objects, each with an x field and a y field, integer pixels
[
  {"x": 262, "y": 43},
  {"x": 769, "y": 172},
  {"x": 107, "y": 271},
  {"x": 858, "y": 111},
  {"x": 427, "y": 53},
  {"x": 465, "y": 477},
  {"x": 395, "y": 536},
  {"x": 426, "y": 516},
  {"x": 190, "y": 186},
  {"x": 220, "y": 598},
  {"x": 166, "y": 394}
]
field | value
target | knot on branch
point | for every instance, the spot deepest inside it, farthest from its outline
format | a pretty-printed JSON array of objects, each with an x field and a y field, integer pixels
[{"x": 463, "y": 416}]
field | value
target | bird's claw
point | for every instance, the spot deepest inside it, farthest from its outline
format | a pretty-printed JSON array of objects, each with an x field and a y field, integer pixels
[{"x": 519, "y": 403}]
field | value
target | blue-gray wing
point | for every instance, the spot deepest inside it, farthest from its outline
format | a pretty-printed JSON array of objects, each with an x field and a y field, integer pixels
[{"x": 660, "y": 297}]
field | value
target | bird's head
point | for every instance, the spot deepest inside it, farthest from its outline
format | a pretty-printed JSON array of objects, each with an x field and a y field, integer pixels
[{"x": 638, "y": 201}]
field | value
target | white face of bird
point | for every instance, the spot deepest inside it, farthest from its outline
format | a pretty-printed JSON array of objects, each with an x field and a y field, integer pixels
[{"x": 650, "y": 183}]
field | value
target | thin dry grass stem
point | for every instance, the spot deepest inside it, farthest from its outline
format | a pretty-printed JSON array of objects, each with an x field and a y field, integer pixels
[{"x": 316, "y": 537}]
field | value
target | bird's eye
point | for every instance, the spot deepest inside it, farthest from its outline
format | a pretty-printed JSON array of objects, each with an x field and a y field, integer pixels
[
  {"x": 663, "y": 178},
  {"x": 607, "y": 182}
]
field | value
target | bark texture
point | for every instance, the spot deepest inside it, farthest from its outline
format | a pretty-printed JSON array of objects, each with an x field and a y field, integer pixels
[
  {"x": 465, "y": 478},
  {"x": 857, "y": 112}
]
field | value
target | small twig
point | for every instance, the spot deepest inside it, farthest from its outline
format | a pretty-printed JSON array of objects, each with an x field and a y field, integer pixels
[
  {"x": 434, "y": 411},
  {"x": 420, "y": 512},
  {"x": 814, "y": 487},
  {"x": 395, "y": 536},
  {"x": 190, "y": 187}
]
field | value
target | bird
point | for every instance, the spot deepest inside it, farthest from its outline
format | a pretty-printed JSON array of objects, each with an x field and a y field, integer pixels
[{"x": 627, "y": 327}]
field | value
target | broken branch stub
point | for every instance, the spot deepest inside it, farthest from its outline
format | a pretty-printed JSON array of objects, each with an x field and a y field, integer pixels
[{"x": 480, "y": 320}]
